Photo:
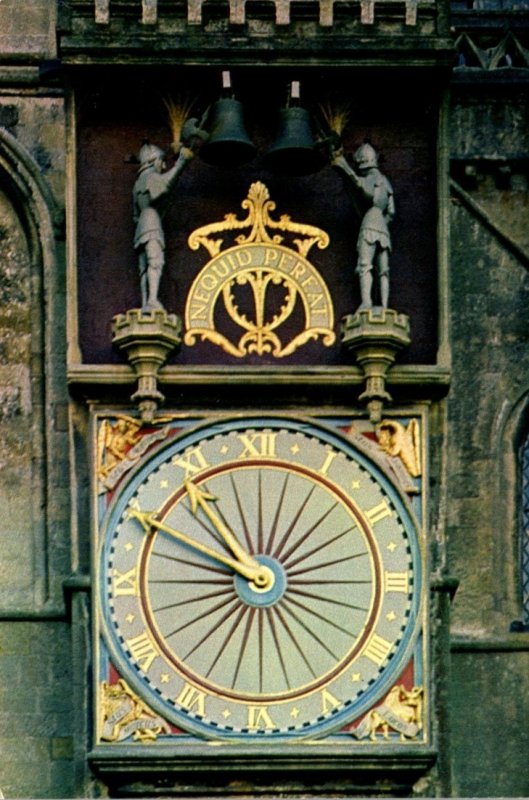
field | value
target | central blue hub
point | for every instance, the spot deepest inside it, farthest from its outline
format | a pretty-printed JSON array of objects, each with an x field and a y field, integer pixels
[{"x": 253, "y": 596}]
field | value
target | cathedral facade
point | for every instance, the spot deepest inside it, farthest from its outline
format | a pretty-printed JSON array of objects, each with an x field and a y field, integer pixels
[{"x": 264, "y": 398}]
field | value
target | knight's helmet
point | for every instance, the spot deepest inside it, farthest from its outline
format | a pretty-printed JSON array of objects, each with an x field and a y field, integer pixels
[
  {"x": 149, "y": 154},
  {"x": 366, "y": 157}
]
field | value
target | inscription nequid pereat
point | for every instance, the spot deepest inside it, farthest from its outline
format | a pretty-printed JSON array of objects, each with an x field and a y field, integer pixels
[{"x": 222, "y": 269}]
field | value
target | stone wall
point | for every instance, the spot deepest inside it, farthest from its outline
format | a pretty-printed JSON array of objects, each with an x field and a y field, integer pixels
[
  {"x": 487, "y": 414},
  {"x": 27, "y": 31},
  {"x": 36, "y": 710},
  {"x": 36, "y": 665}
]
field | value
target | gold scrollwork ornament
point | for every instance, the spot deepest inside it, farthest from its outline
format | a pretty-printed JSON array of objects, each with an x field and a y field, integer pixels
[
  {"x": 125, "y": 715},
  {"x": 401, "y": 446},
  {"x": 401, "y": 442},
  {"x": 401, "y": 711},
  {"x": 120, "y": 445},
  {"x": 114, "y": 439},
  {"x": 258, "y": 262}
]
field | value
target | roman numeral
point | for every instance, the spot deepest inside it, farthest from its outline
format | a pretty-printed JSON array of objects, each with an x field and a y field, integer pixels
[
  {"x": 378, "y": 649},
  {"x": 142, "y": 650},
  {"x": 378, "y": 512},
  {"x": 328, "y": 701},
  {"x": 125, "y": 583},
  {"x": 190, "y": 697},
  {"x": 331, "y": 455},
  {"x": 258, "y": 445},
  {"x": 396, "y": 582},
  {"x": 191, "y": 462},
  {"x": 259, "y": 718}
]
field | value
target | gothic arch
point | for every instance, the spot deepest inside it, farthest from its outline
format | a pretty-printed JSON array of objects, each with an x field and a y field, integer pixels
[
  {"x": 512, "y": 430},
  {"x": 37, "y": 206},
  {"x": 32, "y": 212}
]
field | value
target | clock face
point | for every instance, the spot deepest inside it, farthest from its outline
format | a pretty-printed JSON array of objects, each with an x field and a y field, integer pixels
[{"x": 259, "y": 578}]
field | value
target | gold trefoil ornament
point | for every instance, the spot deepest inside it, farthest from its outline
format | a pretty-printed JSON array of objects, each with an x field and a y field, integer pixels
[{"x": 260, "y": 270}]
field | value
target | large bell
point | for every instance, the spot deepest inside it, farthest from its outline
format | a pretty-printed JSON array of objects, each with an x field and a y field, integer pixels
[
  {"x": 294, "y": 151},
  {"x": 228, "y": 145}
]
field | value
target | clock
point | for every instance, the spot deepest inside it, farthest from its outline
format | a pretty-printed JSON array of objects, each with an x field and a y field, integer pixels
[{"x": 259, "y": 578}]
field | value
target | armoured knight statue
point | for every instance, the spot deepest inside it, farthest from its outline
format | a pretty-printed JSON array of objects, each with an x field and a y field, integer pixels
[
  {"x": 374, "y": 199},
  {"x": 151, "y": 196}
]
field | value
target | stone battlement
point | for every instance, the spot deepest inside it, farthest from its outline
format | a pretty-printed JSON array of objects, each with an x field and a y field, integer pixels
[{"x": 238, "y": 14}]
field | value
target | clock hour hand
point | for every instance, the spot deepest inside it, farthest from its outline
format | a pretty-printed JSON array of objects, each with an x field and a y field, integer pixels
[
  {"x": 256, "y": 574},
  {"x": 197, "y": 498}
]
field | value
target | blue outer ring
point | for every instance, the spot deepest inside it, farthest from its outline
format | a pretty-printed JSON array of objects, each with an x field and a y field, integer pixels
[{"x": 339, "y": 717}]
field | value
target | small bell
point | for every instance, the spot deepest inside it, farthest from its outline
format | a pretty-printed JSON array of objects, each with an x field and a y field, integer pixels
[
  {"x": 294, "y": 151},
  {"x": 228, "y": 144}
]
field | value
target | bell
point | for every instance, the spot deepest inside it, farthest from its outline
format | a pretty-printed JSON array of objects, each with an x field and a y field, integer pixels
[
  {"x": 294, "y": 151},
  {"x": 228, "y": 143}
]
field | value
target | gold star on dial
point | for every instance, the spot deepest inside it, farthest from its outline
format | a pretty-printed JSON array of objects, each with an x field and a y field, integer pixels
[
  {"x": 392, "y": 546},
  {"x": 130, "y": 618},
  {"x": 355, "y": 484},
  {"x": 294, "y": 449},
  {"x": 356, "y": 677},
  {"x": 391, "y": 616},
  {"x": 226, "y": 713},
  {"x": 164, "y": 677},
  {"x": 294, "y": 713},
  {"x": 164, "y": 484}
]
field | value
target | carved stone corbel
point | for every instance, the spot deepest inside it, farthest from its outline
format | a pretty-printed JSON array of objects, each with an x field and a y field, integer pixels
[
  {"x": 375, "y": 336},
  {"x": 147, "y": 339}
]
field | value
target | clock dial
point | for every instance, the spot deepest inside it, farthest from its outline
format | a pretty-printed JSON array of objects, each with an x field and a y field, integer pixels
[{"x": 260, "y": 578}]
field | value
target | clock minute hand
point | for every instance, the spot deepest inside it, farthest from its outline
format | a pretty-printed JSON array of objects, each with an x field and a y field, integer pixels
[
  {"x": 255, "y": 574},
  {"x": 198, "y": 497}
]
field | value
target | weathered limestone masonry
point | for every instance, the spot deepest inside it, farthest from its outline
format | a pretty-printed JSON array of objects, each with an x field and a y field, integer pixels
[
  {"x": 44, "y": 612},
  {"x": 37, "y": 673},
  {"x": 487, "y": 416}
]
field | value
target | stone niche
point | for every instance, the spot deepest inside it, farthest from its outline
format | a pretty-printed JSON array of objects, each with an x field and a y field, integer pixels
[
  {"x": 116, "y": 116},
  {"x": 19, "y": 409}
]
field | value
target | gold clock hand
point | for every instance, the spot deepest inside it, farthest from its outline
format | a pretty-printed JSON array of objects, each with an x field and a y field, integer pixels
[
  {"x": 256, "y": 574},
  {"x": 200, "y": 498}
]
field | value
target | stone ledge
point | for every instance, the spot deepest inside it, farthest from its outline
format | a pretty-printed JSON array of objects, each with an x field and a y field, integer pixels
[
  {"x": 490, "y": 644},
  {"x": 312, "y": 767},
  {"x": 401, "y": 375}
]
